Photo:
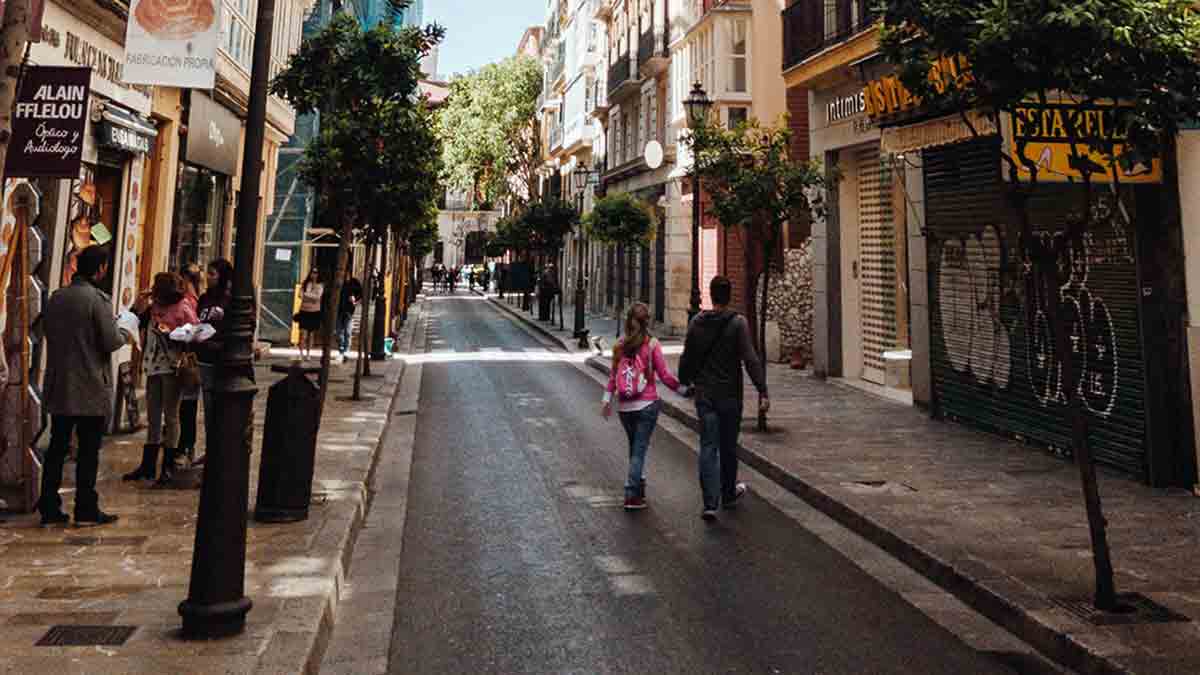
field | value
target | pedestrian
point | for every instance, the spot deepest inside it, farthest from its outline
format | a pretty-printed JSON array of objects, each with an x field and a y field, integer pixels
[
  {"x": 213, "y": 310},
  {"x": 81, "y": 335},
  {"x": 352, "y": 293},
  {"x": 163, "y": 309},
  {"x": 452, "y": 279},
  {"x": 637, "y": 360},
  {"x": 717, "y": 346},
  {"x": 309, "y": 316},
  {"x": 189, "y": 392}
]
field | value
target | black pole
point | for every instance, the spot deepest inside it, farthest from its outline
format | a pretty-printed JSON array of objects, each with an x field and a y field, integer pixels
[
  {"x": 379, "y": 326},
  {"x": 217, "y": 604},
  {"x": 581, "y": 331},
  {"x": 694, "y": 308}
]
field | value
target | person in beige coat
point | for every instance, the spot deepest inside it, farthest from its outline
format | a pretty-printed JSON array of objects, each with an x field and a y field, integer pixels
[{"x": 81, "y": 335}]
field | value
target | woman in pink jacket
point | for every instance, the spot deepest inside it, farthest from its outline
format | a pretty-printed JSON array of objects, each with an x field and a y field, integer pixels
[{"x": 637, "y": 360}]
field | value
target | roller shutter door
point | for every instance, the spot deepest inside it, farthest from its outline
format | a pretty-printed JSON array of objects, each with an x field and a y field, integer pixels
[
  {"x": 877, "y": 263},
  {"x": 993, "y": 358}
]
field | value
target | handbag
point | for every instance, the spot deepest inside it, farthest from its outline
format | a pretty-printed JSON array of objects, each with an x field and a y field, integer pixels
[{"x": 187, "y": 370}]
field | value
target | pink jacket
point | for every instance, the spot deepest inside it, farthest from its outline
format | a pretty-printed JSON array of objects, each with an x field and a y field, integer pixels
[
  {"x": 173, "y": 316},
  {"x": 650, "y": 393}
]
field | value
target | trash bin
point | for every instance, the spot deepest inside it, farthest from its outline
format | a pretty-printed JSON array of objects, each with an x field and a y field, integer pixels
[{"x": 289, "y": 448}]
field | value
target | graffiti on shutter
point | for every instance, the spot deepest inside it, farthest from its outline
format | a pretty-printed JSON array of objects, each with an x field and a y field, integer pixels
[{"x": 877, "y": 263}]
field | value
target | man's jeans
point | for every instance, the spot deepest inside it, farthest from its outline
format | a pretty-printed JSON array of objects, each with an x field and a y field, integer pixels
[
  {"x": 90, "y": 431},
  {"x": 720, "y": 422},
  {"x": 639, "y": 427},
  {"x": 343, "y": 331}
]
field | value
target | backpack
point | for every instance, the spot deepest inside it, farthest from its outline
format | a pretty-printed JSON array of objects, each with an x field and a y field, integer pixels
[{"x": 632, "y": 372}]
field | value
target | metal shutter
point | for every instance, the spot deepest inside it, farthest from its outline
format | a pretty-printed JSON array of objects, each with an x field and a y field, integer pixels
[
  {"x": 994, "y": 368},
  {"x": 877, "y": 263}
]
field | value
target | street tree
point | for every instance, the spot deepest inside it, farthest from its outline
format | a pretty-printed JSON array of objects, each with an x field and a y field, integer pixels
[
  {"x": 621, "y": 220},
  {"x": 490, "y": 130},
  {"x": 1130, "y": 63},
  {"x": 375, "y": 136},
  {"x": 756, "y": 186}
]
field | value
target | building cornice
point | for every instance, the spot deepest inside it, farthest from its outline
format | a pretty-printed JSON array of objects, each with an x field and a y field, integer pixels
[{"x": 829, "y": 65}]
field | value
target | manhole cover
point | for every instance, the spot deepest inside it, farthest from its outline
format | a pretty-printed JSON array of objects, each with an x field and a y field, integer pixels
[
  {"x": 1135, "y": 609},
  {"x": 86, "y": 636}
]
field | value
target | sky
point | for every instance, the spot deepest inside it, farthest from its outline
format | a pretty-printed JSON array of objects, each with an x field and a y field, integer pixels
[{"x": 481, "y": 31}]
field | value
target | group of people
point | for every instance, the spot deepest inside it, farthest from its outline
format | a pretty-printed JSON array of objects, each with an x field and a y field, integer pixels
[
  {"x": 445, "y": 279},
  {"x": 313, "y": 300},
  {"x": 716, "y": 348},
  {"x": 81, "y": 334}
]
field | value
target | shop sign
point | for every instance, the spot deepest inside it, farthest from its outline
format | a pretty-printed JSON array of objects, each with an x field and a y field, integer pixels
[
  {"x": 122, "y": 138},
  {"x": 213, "y": 135},
  {"x": 67, "y": 40},
  {"x": 887, "y": 96},
  {"x": 49, "y": 118},
  {"x": 1057, "y": 137},
  {"x": 935, "y": 132},
  {"x": 172, "y": 44}
]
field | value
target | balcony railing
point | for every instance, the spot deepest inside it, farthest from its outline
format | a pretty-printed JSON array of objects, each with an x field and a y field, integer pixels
[
  {"x": 812, "y": 25},
  {"x": 619, "y": 73}
]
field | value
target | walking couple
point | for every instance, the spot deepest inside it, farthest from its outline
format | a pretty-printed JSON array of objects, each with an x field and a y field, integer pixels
[{"x": 718, "y": 344}]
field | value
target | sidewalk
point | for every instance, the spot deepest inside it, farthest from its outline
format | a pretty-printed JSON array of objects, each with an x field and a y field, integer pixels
[
  {"x": 134, "y": 573},
  {"x": 998, "y": 524}
]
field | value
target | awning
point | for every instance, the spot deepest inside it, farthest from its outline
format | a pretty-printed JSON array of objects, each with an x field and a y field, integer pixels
[
  {"x": 125, "y": 130},
  {"x": 130, "y": 120}
]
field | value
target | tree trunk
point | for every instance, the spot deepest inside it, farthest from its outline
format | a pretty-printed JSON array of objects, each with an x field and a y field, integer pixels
[
  {"x": 762, "y": 337},
  {"x": 14, "y": 41},
  {"x": 364, "y": 323},
  {"x": 329, "y": 320}
]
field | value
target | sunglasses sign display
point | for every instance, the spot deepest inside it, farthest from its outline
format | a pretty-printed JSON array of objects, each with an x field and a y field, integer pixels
[{"x": 49, "y": 118}]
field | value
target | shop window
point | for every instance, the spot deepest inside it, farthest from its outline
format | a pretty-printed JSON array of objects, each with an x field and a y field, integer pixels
[
  {"x": 738, "y": 115},
  {"x": 199, "y": 217}
]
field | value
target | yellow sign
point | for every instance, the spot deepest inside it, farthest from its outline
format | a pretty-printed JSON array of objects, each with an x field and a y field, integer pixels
[
  {"x": 1045, "y": 133},
  {"x": 887, "y": 95}
]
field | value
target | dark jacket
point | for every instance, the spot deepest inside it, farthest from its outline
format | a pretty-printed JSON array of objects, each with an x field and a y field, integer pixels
[
  {"x": 213, "y": 309},
  {"x": 351, "y": 289},
  {"x": 81, "y": 335},
  {"x": 717, "y": 374}
]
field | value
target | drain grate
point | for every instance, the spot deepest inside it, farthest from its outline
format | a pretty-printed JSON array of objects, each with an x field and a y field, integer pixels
[
  {"x": 86, "y": 636},
  {"x": 1135, "y": 608}
]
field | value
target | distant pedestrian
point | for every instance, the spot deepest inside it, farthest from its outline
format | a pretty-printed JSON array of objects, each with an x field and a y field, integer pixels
[
  {"x": 163, "y": 309},
  {"x": 213, "y": 310},
  {"x": 352, "y": 293},
  {"x": 189, "y": 393},
  {"x": 717, "y": 346},
  {"x": 309, "y": 317},
  {"x": 81, "y": 335},
  {"x": 636, "y": 360}
]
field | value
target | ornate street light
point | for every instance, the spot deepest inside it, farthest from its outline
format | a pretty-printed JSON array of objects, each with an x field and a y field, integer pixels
[
  {"x": 698, "y": 105},
  {"x": 583, "y": 178}
]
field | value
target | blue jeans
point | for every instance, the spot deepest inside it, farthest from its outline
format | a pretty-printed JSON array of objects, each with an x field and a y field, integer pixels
[
  {"x": 343, "y": 331},
  {"x": 639, "y": 427},
  {"x": 720, "y": 423}
]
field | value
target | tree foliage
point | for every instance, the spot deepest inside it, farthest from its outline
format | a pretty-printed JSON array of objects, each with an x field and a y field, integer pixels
[
  {"x": 491, "y": 134},
  {"x": 620, "y": 218}
]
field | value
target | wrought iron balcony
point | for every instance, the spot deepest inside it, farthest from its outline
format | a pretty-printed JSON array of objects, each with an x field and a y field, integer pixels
[
  {"x": 620, "y": 73},
  {"x": 812, "y": 25}
]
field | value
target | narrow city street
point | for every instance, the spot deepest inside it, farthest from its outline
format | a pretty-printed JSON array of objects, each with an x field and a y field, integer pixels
[{"x": 517, "y": 555}]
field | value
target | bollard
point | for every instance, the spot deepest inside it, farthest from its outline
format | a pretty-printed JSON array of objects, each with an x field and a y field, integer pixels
[{"x": 289, "y": 448}]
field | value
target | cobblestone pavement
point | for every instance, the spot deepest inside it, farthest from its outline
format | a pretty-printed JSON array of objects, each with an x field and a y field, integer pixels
[
  {"x": 135, "y": 572},
  {"x": 1000, "y": 524}
]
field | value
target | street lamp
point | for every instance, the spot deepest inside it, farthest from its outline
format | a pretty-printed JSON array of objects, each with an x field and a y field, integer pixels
[
  {"x": 698, "y": 105},
  {"x": 217, "y": 605},
  {"x": 583, "y": 178}
]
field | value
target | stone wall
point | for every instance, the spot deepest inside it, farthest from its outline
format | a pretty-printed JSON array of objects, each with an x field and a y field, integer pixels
[{"x": 790, "y": 302}]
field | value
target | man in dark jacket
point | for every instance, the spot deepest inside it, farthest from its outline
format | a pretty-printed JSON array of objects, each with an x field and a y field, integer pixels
[
  {"x": 352, "y": 293},
  {"x": 81, "y": 335},
  {"x": 718, "y": 344}
]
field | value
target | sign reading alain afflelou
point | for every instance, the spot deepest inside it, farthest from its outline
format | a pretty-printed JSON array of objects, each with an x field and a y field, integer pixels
[{"x": 49, "y": 118}]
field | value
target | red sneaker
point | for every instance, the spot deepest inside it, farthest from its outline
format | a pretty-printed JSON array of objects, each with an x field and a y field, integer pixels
[{"x": 635, "y": 503}]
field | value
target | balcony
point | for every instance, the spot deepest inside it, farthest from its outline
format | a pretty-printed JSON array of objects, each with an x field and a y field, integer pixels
[
  {"x": 557, "y": 64},
  {"x": 810, "y": 26},
  {"x": 621, "y": 78},
  {"x": 653, "y": 57},
  {"x": 556, "y": 137},
  {"x": 597, "y": 97}
]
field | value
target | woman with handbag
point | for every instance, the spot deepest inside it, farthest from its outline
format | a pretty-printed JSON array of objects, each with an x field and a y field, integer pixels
[
  {"x": 309, "y": 317},
  {"x": 637, "y": 360},
  {"x": 189, "y": 397},
  {"x": 167, "y": 310}
]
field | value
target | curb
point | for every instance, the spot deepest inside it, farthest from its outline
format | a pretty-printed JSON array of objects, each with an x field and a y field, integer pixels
[
  {"x": 304, "y": 651},
  {"x": 569, "y": 345},
  {"x": 981, "y": 587}
]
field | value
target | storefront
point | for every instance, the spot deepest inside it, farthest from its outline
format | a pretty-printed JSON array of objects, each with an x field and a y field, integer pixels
[
  {"x": 205, "y": 192},
  {"x": 861, "y": 319}
]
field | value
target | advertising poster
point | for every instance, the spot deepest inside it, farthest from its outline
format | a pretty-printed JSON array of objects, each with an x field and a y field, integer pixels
[
  {"x": 49, "y": 117},
  {"x": 172, "y": 43}
]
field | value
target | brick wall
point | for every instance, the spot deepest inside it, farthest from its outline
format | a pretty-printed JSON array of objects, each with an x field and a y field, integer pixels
[{"x": 797, "y": 103}]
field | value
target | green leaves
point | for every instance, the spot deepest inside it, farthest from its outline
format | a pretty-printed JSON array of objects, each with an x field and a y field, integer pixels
[
  {"x": 541, "y": 226},
  {"x": 621, "y": 218}
]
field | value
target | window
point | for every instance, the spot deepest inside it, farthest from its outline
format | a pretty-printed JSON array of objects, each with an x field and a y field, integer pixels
[
  {"x": 738, "y": 33},
  {"x": 738, "y": 115}
]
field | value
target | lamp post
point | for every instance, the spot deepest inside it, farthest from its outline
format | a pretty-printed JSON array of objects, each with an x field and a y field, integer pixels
[
  {"x": 697, "y": 104},
  {"x": 583, "y": 178},
  {"x": 217, "y": 605}
]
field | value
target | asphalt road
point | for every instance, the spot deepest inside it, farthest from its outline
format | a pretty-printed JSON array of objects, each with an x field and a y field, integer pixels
[{"x": 518, "y": 557}]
